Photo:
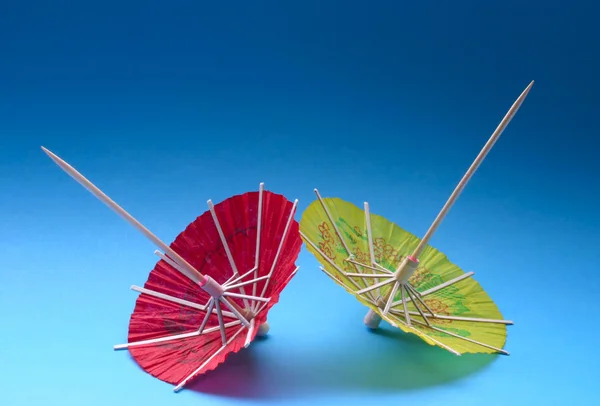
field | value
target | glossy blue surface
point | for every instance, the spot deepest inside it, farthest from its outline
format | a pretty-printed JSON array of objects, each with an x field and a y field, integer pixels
[{"x": 166, "y": 105}]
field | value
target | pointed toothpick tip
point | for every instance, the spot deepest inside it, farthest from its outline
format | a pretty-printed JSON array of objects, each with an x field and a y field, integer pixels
[
  {"x": 56, "y": 159},
  {"x": 48, "y": 152},
  {"x": 526, "y": 91}
]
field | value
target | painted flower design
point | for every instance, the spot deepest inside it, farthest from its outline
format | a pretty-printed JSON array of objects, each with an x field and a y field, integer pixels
[
  {"x": 378, "y": 247},
  {"x": 421, "y": 275},
  {"x": 326, "y": 233},
  {"x": 439, "y": 307},
  {"x": 384, "y": 251},
  {"x": 360, "y": 256},
  {"x": 326, "y": 249},
  {"x": 388, "y": 252}
]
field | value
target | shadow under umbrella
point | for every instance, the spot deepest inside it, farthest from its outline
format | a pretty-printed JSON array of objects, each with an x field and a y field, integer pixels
[{"x": 385, "y": 361}]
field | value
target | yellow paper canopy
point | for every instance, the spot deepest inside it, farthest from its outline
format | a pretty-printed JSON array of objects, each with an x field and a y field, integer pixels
[{"x": 465, "y": 318}]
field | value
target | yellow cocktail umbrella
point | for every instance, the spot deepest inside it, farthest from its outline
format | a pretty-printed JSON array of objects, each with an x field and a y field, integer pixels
[{"x": 400, "y": 277}]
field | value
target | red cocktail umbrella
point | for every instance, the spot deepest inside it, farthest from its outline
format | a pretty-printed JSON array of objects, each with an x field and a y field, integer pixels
[
  {"x": 175, "y": 332},
  {"x": 209, "y": 294}
]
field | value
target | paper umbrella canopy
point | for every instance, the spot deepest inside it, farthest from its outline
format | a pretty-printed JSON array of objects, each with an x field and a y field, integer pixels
[
  {"x": 439, "y": 302},
  {"x": 401, "y": 278},
  {"x": 209, "y": 294}
]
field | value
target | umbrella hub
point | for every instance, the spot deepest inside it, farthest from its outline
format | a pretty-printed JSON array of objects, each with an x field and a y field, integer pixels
[
  {"x": 213, "y": 288},
  {"x": 407, "y": 267}
]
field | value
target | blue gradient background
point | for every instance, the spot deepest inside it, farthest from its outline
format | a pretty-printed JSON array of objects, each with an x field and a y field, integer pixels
[{"x": 165, "y": 106}]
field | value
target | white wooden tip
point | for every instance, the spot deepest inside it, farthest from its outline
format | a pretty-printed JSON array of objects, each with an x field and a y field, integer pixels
[
  {"x": 372, "y": 320},
  {"x": 525, "y": 92},
  {"x": 52, "y": 156},
  {"x": 210, "y": 203},
  {"x": 263, "y": 329}
]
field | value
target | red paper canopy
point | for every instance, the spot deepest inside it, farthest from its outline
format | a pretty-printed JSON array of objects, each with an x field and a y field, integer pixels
[{"x": 182, "y": 311}]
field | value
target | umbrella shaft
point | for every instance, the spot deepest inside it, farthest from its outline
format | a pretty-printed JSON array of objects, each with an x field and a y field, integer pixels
[{"x": 474, "y": 166}]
